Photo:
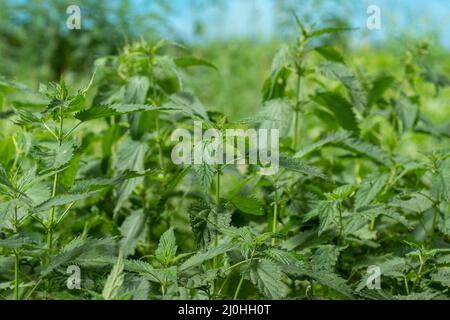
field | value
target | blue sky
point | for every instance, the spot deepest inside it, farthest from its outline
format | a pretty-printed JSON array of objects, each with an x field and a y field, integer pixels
[{"x": 256, "y": 18}]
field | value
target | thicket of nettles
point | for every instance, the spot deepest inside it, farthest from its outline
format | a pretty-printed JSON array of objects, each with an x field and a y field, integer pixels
[{"x": 87, "y": 180}]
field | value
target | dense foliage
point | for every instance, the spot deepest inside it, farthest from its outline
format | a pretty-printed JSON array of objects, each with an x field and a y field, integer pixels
[{"x": 87, "y": 180}]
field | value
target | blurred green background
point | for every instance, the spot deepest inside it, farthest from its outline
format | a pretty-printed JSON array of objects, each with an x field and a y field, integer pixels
[{"x": 238, "y": 36}]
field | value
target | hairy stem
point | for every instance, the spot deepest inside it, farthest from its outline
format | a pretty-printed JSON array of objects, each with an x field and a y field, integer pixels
[
  {"x": 216, "y": 236},
  {"x": 433, "y": 223},
  {"x": 54, "y": 188},
  {"x": 16, "y": 274},
  {"x": 238, "y": 288},
  {"x": 51, "y": 217},
  {"x": 419, "y": 273},
  {"x": 275, "y": 214},
  {"x": 159, "y": 142},
  {"x": 296, "y": 114}
]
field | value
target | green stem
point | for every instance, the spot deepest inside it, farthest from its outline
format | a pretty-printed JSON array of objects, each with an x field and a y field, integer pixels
[
  {"x": 52, "y": 214},
  {"x": 419, "y": 273},
  {"x": 341, "y": 224},
  {"x": 406, "y": 285},
  {"x": 16, "y": 274},
  {"x": 216, "y": 237},
  {"x": 296, "y": 113},
  {"x": 238, "y": 288},
  {"x": 159, "y": 142},
  {"x": 298, "y": 93},
  {"x": 294, "y": 138},
  {"x": 275, "y": 215},
  {"x": 218, "y": 186},
  {"x": 55, "y": 185},
  {"x": 433, "y": 223}
]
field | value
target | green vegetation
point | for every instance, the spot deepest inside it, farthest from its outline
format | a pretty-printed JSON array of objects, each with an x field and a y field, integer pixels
[{"x": 86, "y": 176}]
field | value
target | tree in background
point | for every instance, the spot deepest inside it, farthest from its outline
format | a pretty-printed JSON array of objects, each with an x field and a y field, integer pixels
[{"x": 33, "y": 34}]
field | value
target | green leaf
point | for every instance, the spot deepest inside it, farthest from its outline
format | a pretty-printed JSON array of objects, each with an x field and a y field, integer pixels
[
  {"x": 4, "y": 178},
  {"x": 203, "y": 256},
  {"x": 341, "y": 73},
  {"x": 136, "y": 90},
  {"x": 414, "y": 201},
  {"x": 103, "y": 111},
  {"x": 428, "y": 294},
  {"x": 268, "y": 277},
  {"x": 327, "y": 212},
  {"x": 407, "y": 112},
  {"x": 379, "y": 87},
  {"x": 188, "y": 104},
  {"x": 25, "y": 117},
  {"x": 114, "y": 281},
  {"x": 275, "y": 85},
  {"x": 341, "y": 109},
  {"x": 198, "y": 214},
  {"x": 394, "y": 267},
  {"x": 161, "y": 276},
  {"x": 192, "y": 62},
  {"x": 366, "y": 149},
  {"x": 15, "y": 242},
  {"x": 55, "y": 155},
  {"x": 440, "y": 182},
  {"x": 277, "y": 115},
  {"x": 248, "y": 205},
  {"x": 326, "y": 278},
  {"x": 130, "y": 157},
  {"x": 325, "y": 258},
  {"x": 67, "y": 178},
  {"x": 205, "y": 219},
  {"x": 342, "y": 192},
  {"x": 330, "y": 53},
  {"x": 370, "y": 188},
  {"x": 167, "y": 248},
  {"x": 442, "y": 276},
  {"x": 324, "y": 31},
  {"x": 300, "y": 25},
  {"x": 12, "y": 84},
  {"x": 132, "y": 231},
  {"x": 73, "y": 250},
  {"x": 301, "y": 167},
  {"x": 63, "y": 199},
  {"x": 328, "y": 139},
  {"x": 205, "y": 175},
  {"x": 333, "y": 281},
  {"x": 439, "y": 80}
]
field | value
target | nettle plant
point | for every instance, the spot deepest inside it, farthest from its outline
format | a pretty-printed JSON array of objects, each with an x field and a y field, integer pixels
[{"x": 87, "y": 180}]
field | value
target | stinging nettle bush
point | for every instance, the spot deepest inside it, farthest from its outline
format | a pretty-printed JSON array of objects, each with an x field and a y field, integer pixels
[{"x": 86, "y": 179}]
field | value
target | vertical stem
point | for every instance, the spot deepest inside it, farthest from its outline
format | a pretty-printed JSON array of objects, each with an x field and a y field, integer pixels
[
  {"x": 216, "y": 238},
  {"x": 295, "y": 134},
  {"x": 433, "y": 223},
  {"x": 158, "y": 138},
  {"x": 218, "y": 186},
  {"x": 341, "y": 225},
  {"x": 52, "y": 214},
  {"x": 236, "y": 293},
  {"x": 419, "y": 273},
  {"x": 55, "y": 185},
  {"x": 298, "y": 94},
  {"x": 16, "y": 274},
  {"x": 296, "y": 113},
  {"x": 275, "y": 214},
  {"x": 406, "y": 285}
]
